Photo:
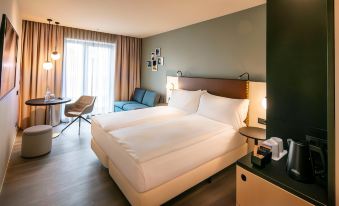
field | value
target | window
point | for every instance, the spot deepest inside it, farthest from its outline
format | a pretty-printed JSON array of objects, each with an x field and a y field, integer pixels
[{"x": 89, "y": 70}]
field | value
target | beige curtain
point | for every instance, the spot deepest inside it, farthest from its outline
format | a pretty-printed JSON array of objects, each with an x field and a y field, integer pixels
[
  {"x": 81, "y": 34},
  {"x": 34, "y": 79},
  {"x": 127, "y": 69}
]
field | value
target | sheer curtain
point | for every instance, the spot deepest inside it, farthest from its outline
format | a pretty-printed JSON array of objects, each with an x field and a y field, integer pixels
[{"x": 88, "y": 69}]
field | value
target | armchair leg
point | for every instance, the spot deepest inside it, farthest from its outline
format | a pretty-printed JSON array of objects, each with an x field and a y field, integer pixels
[
  {"x": 79, "y": 125},
  {"x": 85, "y": 119},
  {"x": 69, "y": 125},
  {"x": 79, "y": 117}
]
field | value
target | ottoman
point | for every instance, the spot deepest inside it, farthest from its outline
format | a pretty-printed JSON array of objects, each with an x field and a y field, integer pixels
[{"x": 36, "y": 141}]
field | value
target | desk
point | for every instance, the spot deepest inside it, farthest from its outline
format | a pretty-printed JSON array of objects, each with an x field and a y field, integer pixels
[{"x": 48, "y": 104}]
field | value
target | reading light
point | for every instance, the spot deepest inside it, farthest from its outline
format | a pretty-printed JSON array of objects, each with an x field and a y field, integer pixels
[{"x": 246, "y": 73}]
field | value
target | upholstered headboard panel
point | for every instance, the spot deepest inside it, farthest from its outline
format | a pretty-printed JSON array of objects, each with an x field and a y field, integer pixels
[{"x": 231, "y": 88}]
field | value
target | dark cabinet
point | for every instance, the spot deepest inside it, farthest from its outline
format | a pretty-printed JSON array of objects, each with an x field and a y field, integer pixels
[
  {"x": 300, "y": 72},
  {"x": 296, "y": 67}
]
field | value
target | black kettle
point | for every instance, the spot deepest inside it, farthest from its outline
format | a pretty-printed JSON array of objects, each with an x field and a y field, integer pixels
[{"x": 299, "y": 164}]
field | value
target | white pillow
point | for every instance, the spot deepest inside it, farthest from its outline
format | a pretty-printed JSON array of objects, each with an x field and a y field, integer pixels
[
  {"x": 185, "y": 100},
  {"x": 225, "y": 110}
]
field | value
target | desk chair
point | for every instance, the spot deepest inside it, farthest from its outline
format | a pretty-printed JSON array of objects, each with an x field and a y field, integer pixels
[{"x": 84, "y": 105}]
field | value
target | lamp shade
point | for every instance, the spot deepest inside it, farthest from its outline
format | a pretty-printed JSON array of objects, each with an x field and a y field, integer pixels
[
  {"x": 55, "y": 55},
  {"x": 47, "y": 65}
]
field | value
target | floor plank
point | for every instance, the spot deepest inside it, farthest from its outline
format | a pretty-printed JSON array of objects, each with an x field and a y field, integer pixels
[{"x": 72, "y": 175}]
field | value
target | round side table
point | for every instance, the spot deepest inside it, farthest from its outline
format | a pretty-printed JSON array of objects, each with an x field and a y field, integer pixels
[{"x": 255, "y": 133}]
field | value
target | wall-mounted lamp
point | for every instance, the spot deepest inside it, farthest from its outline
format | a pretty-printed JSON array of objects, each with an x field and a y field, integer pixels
[
  {"x": 179, "y": 73},
  {"x": 246, "y": 73}
]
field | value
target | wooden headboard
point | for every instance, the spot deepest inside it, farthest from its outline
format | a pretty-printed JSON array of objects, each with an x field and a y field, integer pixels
[{"x": 231, "y": 88}]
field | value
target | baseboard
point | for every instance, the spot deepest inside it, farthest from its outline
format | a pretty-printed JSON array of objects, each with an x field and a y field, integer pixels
[{"x": 9, "y": 158}]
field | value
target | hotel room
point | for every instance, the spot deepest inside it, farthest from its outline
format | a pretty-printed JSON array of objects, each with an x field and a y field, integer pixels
[{"x": 146, "y": 103}]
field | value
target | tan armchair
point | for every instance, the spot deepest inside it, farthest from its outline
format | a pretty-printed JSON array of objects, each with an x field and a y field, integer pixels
[{"x": 84, "y": 105}]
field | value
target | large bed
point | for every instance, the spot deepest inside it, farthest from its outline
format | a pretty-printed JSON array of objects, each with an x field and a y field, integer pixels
[{"x": 153, "y": 155}]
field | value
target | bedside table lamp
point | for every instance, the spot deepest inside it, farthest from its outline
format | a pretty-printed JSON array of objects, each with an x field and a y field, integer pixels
[{"x": 264, "y": 103}]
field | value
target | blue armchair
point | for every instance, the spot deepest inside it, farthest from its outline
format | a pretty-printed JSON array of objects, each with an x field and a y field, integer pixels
[{"x": 141, "y": 99}]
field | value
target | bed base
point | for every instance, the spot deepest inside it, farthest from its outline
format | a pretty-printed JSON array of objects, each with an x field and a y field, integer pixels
[
  {"x": 172, "y": 188},
  {"x": 99, "y": 153}
]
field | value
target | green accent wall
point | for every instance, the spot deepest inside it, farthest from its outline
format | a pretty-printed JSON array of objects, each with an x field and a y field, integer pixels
[{"x": 224, "y": 47}]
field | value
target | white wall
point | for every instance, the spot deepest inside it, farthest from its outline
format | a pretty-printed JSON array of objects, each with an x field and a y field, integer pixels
[{"x": 9, "y": 104}]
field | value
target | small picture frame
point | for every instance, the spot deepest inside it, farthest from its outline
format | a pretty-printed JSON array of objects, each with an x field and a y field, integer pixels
[
  {"x": 157, "y": 52},
  {"x": 154, "y": 66},
  {"x": 153, "y": 56},
  {"x": 149, "y": 64},
  {"x": 160, "y": 61}
]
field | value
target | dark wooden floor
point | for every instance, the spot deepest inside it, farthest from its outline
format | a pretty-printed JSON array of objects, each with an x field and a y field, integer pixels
[{"x": 72, "y": 175}]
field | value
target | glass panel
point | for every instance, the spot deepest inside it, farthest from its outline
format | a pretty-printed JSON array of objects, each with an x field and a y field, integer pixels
[{"x": 89, "y": 70}]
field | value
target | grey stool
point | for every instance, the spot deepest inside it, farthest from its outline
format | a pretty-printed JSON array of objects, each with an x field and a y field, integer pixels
[{"x": 36, "y": 141}]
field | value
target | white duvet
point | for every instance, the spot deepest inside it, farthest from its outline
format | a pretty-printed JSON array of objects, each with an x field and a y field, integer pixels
[
  {"x": 146, "y": 154},
  {"x": 148, "y": 141},
  {"x": 117, "y": 120}
]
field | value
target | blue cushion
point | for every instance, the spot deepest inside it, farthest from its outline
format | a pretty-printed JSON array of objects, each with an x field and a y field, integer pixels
[
  {"x": 122, "y": 103},
  {"x": 134, "y": 106},
  {"x": 150, "y": 98},
  {"x": 118, "y": 109},
  {"x": 138, "y": 94}
]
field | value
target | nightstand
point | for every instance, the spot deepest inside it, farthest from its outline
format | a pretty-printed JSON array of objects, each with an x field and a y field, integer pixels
[
  {"x": 255, "y": 133},
  {"x": 272, "y": 186}
]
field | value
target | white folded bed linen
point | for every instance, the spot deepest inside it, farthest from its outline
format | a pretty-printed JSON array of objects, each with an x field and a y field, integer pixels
[
  {"x": 152, "y": 154},
  {"x": 117, "y": 120}
]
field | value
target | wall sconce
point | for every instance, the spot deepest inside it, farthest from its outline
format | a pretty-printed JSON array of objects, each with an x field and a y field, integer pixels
[{"x": 246, "y": 73}]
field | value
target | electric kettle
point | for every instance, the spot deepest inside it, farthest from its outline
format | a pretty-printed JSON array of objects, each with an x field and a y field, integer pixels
[{"x": 299, "y": 164}]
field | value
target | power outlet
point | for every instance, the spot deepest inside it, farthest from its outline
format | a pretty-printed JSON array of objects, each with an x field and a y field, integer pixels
[{"x": 262, "y": 121}]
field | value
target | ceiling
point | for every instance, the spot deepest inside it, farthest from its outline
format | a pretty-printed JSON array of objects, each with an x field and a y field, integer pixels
[{"x": 138, "y": 18}]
